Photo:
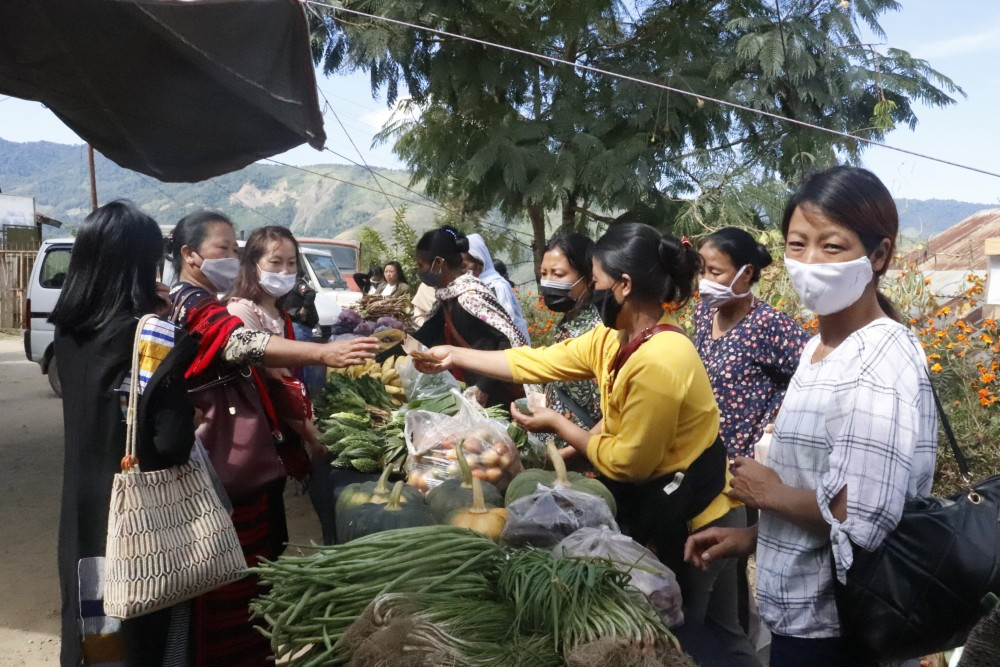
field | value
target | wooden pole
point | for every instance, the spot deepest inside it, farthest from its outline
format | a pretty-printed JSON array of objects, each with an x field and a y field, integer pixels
[{"x": 93, "y": 178}]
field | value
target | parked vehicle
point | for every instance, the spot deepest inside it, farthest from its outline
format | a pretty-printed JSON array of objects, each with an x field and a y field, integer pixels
[
  {"x": 346, "y": 255},
  {"x": 49, "y": 273},
  {"x": 47, "y": 278}
]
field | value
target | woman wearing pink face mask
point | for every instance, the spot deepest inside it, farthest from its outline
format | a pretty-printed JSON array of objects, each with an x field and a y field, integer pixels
[
  {"x": 857, "y": 433},
  {"x": 750, "y": 349}
]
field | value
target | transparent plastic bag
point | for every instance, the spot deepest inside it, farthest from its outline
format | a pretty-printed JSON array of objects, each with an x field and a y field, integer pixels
[
  {"x": 547, "y": 516},
  {"x": 421, "y": 386},
  {"x": 434, "y": 443},
  {"x": 647, "y": 574}
]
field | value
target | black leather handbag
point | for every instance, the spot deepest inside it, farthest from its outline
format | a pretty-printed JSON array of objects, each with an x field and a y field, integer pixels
[{"x": 921, "y": 590}]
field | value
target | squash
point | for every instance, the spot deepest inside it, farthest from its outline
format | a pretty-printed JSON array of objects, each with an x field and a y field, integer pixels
[
  {"x": 527, "y": 482},
  {"x": 375, "y": 518},
  {"x": 456, "y": 493},
  {"x": 488, "y": 521},
  {"x": 360, "y": 493}
]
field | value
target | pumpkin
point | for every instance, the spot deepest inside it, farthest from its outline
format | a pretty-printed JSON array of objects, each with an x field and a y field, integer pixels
[
  {"x": 375, "y": 518},
  {"x": 453, "y": 494},
  {"x": 360, "y": 493},
  {"x": 488, "y": 521},
  {"x": 527, "y": 482}
]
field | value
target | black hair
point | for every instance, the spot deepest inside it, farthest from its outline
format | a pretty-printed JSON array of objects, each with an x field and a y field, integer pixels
[
  {"x": 191, "y": 231},
  {"x": 400, "y": 274},
  {"x": 247, "y": 285},
  {"x": 447, "y": 243},
  {"x": 112, "y": 270},
  {"x": 857, "y": 200},
  {"x": 741, "y": 248},
  {"x": 577, "y": 249},
  {"x": 663, "y": 268}
]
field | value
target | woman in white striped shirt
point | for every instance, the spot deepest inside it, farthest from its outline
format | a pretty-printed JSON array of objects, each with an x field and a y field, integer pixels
[{"x": 856, "y": 435}]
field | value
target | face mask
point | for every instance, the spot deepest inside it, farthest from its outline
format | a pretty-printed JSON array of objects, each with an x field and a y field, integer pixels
[
  {"x": 277, "y": 284},
  {"x": 556, "y": 295},
  {"x": 221, "y": 272},
  {"x": 430, "y": 278},
  {"x": 830, "y": 288},
  {"x": 714, "y": 294},
  {"x": 607, "y": 306}
]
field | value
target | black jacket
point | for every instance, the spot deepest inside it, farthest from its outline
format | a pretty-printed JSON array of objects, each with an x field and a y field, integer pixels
[{"x": 91, "y": 371}]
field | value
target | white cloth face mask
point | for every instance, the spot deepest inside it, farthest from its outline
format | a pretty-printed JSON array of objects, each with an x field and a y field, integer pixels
[
  {"x": 831, "y": 287},
  {"x": 714, "y": 294},
  {"x": 277, "y": 284},
  {"x": 221, "y": 272}
]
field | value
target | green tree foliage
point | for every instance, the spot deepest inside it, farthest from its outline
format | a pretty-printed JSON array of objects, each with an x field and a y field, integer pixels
[{"x": 527, "y": 136}]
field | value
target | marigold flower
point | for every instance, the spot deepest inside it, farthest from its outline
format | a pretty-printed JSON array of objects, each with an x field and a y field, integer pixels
[
  {"x": 986, "y": 338},
  {"x": 986, "y": 378},
  {"x": 936, "y": 368},
  {"x": 933, "y": 357}
]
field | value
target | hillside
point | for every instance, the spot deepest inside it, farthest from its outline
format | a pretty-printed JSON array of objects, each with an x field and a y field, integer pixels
[{"x": 312, "y": 203}]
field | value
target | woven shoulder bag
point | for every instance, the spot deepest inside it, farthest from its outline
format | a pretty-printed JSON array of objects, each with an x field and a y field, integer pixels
[{"x": 169, "y": 537}]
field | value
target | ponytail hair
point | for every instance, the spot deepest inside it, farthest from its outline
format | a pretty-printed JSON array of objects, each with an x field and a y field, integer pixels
[
  {"x": 741, "y": 248},
  {"x": 446, "y": 242},
  {"x": 663, "y": 268},
  {"x": 857, "y": 200}
]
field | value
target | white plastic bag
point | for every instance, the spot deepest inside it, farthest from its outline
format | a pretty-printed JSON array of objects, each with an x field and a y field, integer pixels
[
  {"x": 646, "y": 572},
  {"x": 551, "y": 514},
  {"x": 421, "y": 386},
  {"x": 434, "y": 443}
]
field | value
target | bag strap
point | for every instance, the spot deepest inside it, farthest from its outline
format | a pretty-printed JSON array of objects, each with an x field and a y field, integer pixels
[
  {"x": 574, "y": 407},
  {"x": 130, "y": 462},
  {"x": 448, "y": 322},
  {"x": 963, "y": 463}
]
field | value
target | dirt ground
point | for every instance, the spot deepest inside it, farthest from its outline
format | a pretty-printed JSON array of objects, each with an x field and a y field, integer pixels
[{"x": 31, "y": 432}]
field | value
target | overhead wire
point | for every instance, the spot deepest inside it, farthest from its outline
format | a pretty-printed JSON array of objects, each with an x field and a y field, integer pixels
[{"x": 647, "y": 82}]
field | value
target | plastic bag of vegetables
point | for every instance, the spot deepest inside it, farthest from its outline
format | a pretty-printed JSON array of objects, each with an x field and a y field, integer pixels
[
  {"x": 420, "y": 386},
  {"x": 545, "y": 517},
  {"x": 646, "y": 573},
  {"x": 435, "y": 443}
]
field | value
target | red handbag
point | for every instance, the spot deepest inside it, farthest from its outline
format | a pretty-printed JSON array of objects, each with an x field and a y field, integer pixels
[{"x": 289, "y": 398}]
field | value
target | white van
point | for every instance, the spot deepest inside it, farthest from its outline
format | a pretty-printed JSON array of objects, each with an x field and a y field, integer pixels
[{"x": 49, "y": 273}]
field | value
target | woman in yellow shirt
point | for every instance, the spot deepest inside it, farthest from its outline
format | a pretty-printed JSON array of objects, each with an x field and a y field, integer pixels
[{"x": 657, "y": 447}]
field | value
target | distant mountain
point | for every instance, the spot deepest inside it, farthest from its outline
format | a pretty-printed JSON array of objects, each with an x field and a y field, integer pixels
[
  {"x": 923, "y": 218},
  {"x": 312, "y": 201}
]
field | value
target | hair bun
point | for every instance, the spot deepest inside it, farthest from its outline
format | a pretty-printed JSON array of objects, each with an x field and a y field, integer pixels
[{"x": 764, "y": 256}]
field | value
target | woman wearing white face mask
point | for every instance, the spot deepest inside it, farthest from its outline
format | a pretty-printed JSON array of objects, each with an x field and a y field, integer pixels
[
  {"x": 750, "y": 350},
  {"x": 856, "y": 435},
  {"x": 225, "y": 383}
]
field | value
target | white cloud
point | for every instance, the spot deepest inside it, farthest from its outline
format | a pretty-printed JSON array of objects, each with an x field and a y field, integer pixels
[
  {"x": 980, "y": 42},
  {"x": 377, "y": 118}
]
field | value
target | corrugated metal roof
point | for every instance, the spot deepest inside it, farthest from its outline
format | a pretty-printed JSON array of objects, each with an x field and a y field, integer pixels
[{"x": 961, "y": 247}]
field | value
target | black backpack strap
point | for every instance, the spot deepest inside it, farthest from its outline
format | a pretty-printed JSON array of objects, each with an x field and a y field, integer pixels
[{"x": 963, "y": 463}]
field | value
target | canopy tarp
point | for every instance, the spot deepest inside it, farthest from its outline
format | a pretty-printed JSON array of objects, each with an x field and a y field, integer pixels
[{"x": 181, "y": 91}]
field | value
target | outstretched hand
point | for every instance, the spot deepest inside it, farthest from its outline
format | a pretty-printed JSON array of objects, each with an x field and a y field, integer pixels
[
  {"x": 443, "y": 360},
  {"x": 343, "y": 353}
]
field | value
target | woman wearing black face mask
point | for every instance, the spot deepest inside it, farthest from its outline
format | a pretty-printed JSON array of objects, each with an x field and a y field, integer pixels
[
  {"x": 566, "y": 281},
  {"x": 467, "y": 313},
  {"x": 660, "y": 416}
]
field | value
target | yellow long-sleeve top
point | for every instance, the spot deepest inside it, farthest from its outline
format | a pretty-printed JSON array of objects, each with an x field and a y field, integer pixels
[{"x": 659, "y": 414}]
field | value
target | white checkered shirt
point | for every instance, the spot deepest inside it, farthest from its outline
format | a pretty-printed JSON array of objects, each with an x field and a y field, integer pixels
[{"x": 863, "y": 417}]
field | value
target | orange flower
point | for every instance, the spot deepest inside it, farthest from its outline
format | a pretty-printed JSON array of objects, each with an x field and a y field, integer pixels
[
  {"x": 936, "y": 368},
  {"x": 949, "y": 346},
  {"x": 927, "y": 281},
  {"x": 913, "y": 320},
  {"x": 961, "y": 338},
  {"x": 986, "y": 338},
  {"x": 943, "y": 312},
  {"x": 933, "y": 357},
  {"x": 983, "y": 393},
  {"x": 986, "y": 378}
]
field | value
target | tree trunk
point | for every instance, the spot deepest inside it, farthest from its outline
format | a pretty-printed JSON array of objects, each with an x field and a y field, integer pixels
[
  {"x": 536, "y": 214},
  {"x": 569, "y": 214}
]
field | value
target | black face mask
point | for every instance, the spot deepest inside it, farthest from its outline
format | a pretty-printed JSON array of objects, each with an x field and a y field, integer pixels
[
  {"x": 607, "y": 306},
  {"x": 558, "y": 295},
  {"x": 430, "y": 278}
]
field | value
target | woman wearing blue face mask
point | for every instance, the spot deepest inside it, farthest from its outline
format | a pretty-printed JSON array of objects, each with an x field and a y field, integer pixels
[
  {"x": 657, "y": 447},
  {"x": 857, "y": 433},
  {"x": 566, "y": 287},
  {"x": 750, "y": 350}
]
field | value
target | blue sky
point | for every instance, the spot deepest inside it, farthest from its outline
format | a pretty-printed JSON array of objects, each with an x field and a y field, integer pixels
[{"x": 960, "y": 38}]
